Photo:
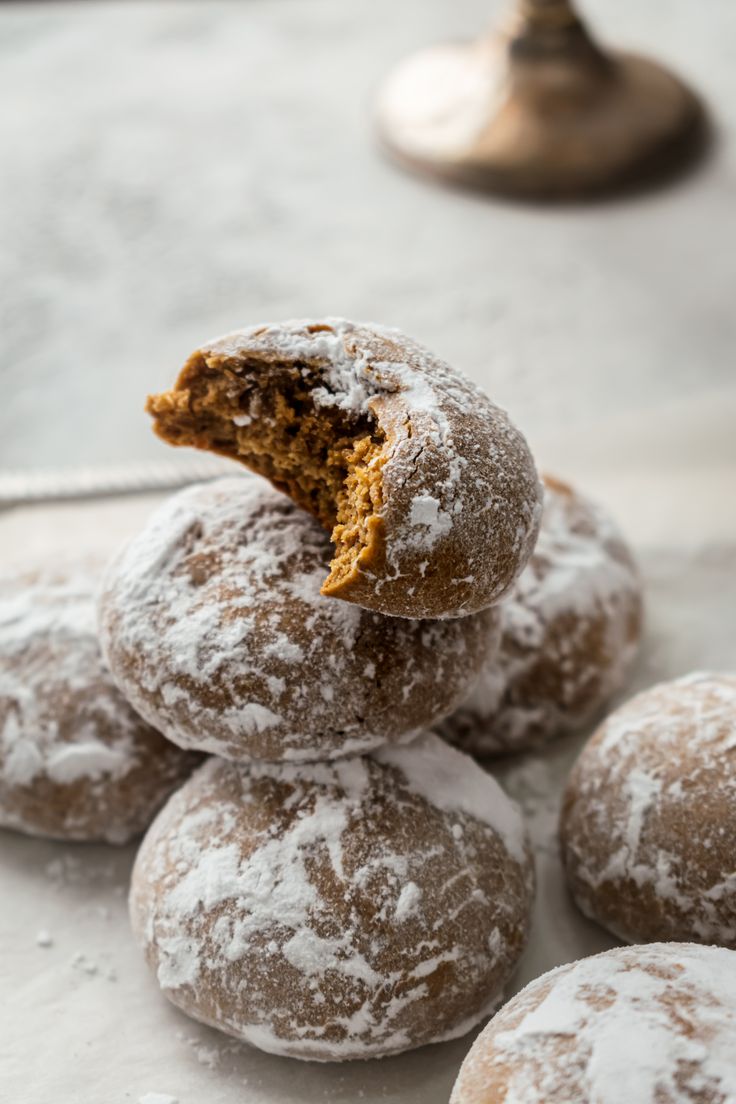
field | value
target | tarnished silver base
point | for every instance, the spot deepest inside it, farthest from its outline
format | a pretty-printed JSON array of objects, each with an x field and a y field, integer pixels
[{"x": 537, "y": 109}]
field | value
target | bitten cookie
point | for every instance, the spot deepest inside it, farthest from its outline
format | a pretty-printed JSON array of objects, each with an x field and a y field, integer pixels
[
  {"x": 429, "y": 491},
  {"x": 635, "y": 1024},
  {"x": 648, "y": 825},
  {"x": 570, "y": 632},
  {"x": 76, "y": 763},
  {"x": 214, "y": 627},
  {"x": 336, "y": 911}
]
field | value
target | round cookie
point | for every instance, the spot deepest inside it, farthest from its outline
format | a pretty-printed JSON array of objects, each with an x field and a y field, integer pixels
[
  {"x": 333, "y": 911},
  {"x": 635, "y": 1024},
  {"x": 213, "y": 624},
  {"x": 648, "y": 824},
  {"x": 76, "y": 763},
  {"x": 570, "y": 632},
  {"x": 429, "y": 491}
]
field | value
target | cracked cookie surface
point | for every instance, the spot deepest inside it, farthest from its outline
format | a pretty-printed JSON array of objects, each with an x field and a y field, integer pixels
[
  {"x": 76, "y": 762},
  {"x": 570, "y": 633},
  {"x": 334, "y": 911},
  {"x": 428, "y": 489}
]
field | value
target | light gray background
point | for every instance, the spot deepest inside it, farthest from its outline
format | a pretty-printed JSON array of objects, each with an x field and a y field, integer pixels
[{"x": 172, "y": 170}]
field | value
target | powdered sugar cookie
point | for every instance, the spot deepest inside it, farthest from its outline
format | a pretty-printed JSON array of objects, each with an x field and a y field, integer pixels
[
  {"x": 648, "y": 827},
  {"x": 336, "y": 911},
  {"x": 570, "y": 632},
  {"x": 214, "y": 626},
  {"x": 76, "y": 762},
  {"x": 635, "y": 1024},
  {"x": 429, "y": 491}
]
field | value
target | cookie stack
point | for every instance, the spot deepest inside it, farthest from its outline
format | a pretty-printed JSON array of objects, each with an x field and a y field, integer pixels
[{"x": 335, "y": 882}]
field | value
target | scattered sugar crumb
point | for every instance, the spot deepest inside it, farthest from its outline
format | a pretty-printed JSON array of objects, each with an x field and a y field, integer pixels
[
  {"x": 44, "y": 939},
  {"x": 86, "y": 965},
  {"x": 205, "y": 1055}
]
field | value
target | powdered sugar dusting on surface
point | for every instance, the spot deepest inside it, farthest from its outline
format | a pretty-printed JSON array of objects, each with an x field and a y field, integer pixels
[
  {"x": 570, "y": 633},
  {"x": 452, "y": 781},
  {"x": 287, "y": 876},
  {"x": 431, "y": 521},
  {"x": 88, "y": 759},
  {"x": 647, "y": 825},
  {"x": 459, "y": 485},
  {"x": 640, "y": 1024},
  {"x": 409, "y": 901},
  {"x": 348, "y": 382},
  {"x": 214, "y": 625},
  {"x": 352, "y": 375}
]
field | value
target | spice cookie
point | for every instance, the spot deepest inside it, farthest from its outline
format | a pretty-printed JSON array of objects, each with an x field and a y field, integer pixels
[
  {"x": 570, "y": 632},
  {"x": 214, "y": 627},
  {"x": 429, "y": 491},
  {"x": 333, "y": 911},
  {"x": 76, "y": 763},
  {"x": 648, "y": 825},
  {"x": 635, "y": 1024}
]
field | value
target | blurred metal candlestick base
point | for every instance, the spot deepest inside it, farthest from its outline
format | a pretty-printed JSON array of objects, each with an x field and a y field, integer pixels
[{"x": 537, "y": 109}]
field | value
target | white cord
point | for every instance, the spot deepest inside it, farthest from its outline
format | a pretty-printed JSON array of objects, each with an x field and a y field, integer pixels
[{"x": 47, "y": 484}]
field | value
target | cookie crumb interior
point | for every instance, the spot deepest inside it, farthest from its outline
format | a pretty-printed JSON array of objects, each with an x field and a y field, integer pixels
[{"x": 328, "y": 459}]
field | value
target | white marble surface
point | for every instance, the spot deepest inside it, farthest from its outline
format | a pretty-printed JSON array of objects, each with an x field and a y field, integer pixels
[{"x": 174, "y": 169}]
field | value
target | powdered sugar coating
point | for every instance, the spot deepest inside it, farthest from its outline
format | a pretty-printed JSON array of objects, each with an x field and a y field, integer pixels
[
  {"x": 461, "y": 498},
  {"x": 330, "y": 911},
  {"x": 643, "y": 1025},
  {"x": 451, "y": 781},
  {"x": 75, "y": 761},
  {"x": 570, "y": 633},
  {"x": 648, "y": 827},
  {"x": 214, "y": 626}
]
